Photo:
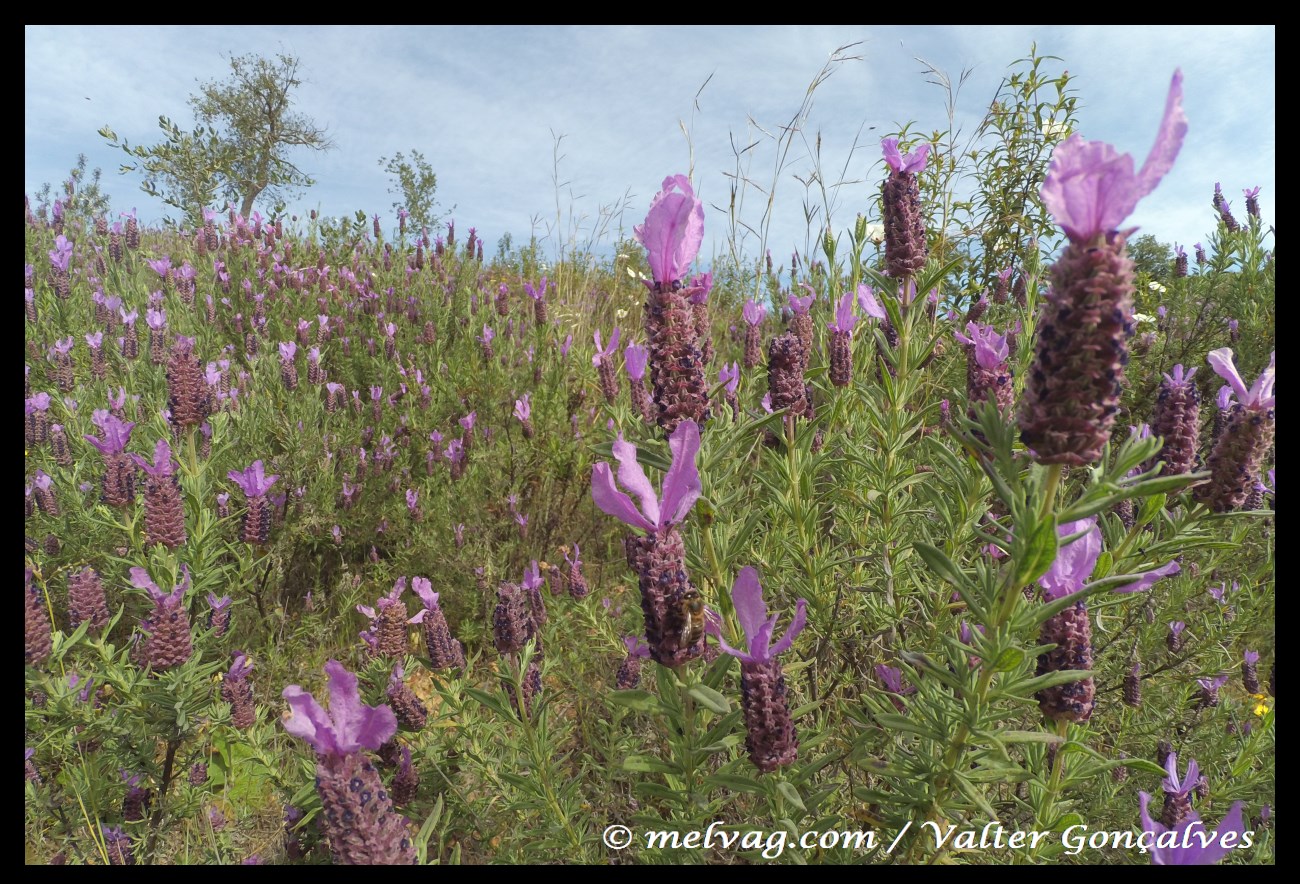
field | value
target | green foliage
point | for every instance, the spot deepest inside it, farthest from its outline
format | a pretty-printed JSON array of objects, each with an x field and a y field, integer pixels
[
  {"x": 414, "y": 180},
  {"x": 240, "y": 147}
]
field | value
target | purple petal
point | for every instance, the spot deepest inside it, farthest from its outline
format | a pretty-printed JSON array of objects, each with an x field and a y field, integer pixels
[
  {"x": 747, "y": 599},
  {"x": 356, "y": 724},
  {"x": 1221, "y": 361},
  {"x": 614, "y": 502},
  {"x": 633, "y": 478},
  {"x": 1149, "y": 578},
  {"x": 792, "y": 631},
  {"x": 1169, "y": 140},
  {"x": 308, "y": 721},
  {"x": 1074, "y": 563},
  {"x": 682, "y": 482}
]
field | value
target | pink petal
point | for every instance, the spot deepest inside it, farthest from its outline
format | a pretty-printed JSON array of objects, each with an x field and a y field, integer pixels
[
  {"x": 614, "y": 502},
  {"x": 751, "y": 610},
  {"x": 1169, "y": 140},
  {"x": 633, "y": 478},
  {"x": 796, "y": 626},
  {"x": 1221, "y": 361},
  {"x": 682, "y": 483},
  {"x": 1074, "y": 563}
]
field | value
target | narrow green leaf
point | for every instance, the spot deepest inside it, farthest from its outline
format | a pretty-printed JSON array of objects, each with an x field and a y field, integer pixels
[{"x": 710, "y": 699}]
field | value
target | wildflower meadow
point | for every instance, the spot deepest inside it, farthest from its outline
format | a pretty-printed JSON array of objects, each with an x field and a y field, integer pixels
[{"x": 948, "y": 541}]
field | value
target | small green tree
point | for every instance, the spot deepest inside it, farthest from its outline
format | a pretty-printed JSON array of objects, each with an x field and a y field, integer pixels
[
  {"x": 82, "y": 196},
  {"x": 240, "y": 147},
  {"x": 416, "y": 182}
]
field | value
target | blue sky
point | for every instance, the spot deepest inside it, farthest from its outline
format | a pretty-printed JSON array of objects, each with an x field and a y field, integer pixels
[{"x": 484, "y": 105}]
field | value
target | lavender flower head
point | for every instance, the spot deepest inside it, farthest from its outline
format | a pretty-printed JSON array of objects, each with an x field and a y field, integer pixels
[
  {"x": 771, "y": 739},
  {"x": 1243, "y": 443},
  {"x": 1070, "y": 630},
  {"x": 659, "y": 557},
  {"x": 523, "y": 408},
  {"x": 673, "y": 230},
  {"x": 359, "y": 820},
  {"x": 1074, "y": 385},
  {"x": 753, "y": 313}
]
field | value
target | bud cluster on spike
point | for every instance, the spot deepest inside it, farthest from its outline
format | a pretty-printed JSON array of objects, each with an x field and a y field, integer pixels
[
  {"x": 1177, "y": 419},
  {"x": 237, "y": 690},
  {"x": 676, "y": 364},
  {"x": 512, "y": 621},
  {"x": 86, "y": 602},
  {"x": 1133, "y": 685},
  {"x": 168, "y": 643},
  {"x": 410, "y": 712},
  {"x": 1071, "y": 632},
  {"x": 1073, "y": 390},
  {"x": 770, "y": 737},
  {"x": 786, "y": 360},
  {"x": 188, "y": 395},
  {"x": 37, "y": 641}
]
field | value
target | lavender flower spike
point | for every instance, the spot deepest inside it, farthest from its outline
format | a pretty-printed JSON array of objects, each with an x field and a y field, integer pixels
[
  {"x": 659, "y": 558},
  {"x": 771, "y": 739},
  {"x": 1189, "y": 843},
  {"x": 1074, "y": 386},
  {"x": 1244, "y": 441}
]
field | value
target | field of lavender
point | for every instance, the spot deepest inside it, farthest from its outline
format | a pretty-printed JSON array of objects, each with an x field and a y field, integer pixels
[{"x": 346, "y": 544}]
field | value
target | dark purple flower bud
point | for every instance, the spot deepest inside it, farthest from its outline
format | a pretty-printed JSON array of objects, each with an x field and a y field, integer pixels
[
  {"x": 118, "y": 845},
  {"x": 512, "y": 621},
  {"x": 1177, "y": 419},
  {"x": 1133, "y": 685},
  {"x": 407, "y": 781},
  {"x": 410, "y": 712},
  {"x": 1249, "y": 672},
  {"x": 37, "y": 643}
]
